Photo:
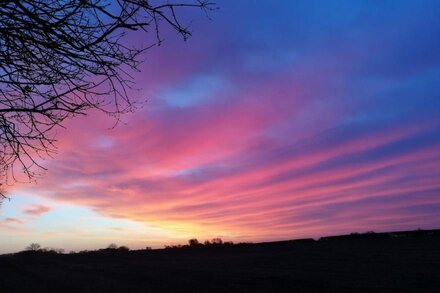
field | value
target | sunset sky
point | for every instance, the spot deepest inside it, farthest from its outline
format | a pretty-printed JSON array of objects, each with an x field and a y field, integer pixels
[{"x": 275, "y": 120}]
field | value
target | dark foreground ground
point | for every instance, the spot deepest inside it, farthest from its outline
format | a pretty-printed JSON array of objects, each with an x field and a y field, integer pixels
[{"x": 399, "y": 263}]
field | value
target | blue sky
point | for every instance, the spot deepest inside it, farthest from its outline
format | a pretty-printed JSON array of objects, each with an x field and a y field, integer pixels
[{"x": 275, "y": 120}]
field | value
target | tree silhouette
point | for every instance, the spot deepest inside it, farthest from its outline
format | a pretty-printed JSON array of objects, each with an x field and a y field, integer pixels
[
  {"x": 193, "y": 242},
  {"x": 112, "y": 246},
  {"x": 216, "y": 241},
  {"x": 34, "y": 247},
  {"x": 60, "y": 58}
]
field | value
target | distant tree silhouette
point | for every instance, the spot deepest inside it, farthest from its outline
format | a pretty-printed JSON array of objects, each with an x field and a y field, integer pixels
[
  {"x": 33, "y": 247},
  {"x": 60, "y": 58},
  {"x": 193, "y": 242},
  {"x": 112, "y": 246},
  {"x": 58, "y": 250},
  {"x": 216, "y": 241}
]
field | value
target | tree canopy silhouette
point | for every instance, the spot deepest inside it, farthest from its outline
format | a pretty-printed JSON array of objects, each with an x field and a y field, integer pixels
[
  {"x": 60, "y": 58},
  {"x": 33, "y": 247}
]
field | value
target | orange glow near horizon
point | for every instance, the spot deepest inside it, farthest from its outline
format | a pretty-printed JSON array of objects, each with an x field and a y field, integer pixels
[{"x": 305, "y": 126}]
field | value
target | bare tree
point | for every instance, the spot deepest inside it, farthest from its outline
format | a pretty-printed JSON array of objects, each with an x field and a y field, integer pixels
[
  {"x": 60, "y": 58},
  {"x": 33, "y": 247}
]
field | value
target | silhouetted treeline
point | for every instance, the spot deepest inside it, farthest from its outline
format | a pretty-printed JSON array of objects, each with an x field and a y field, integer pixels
[
  {"x": 366, "y": 262},
  {"x": 374, "y": 235},
  {"x": 37, "y": 249},
  {"x": 193, "y": 243}
]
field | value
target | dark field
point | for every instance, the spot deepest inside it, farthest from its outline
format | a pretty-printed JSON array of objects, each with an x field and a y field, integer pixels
[{"x": 408, "y": 263}]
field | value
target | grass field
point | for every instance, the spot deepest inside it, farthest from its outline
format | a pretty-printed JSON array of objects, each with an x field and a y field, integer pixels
[{"x": 409, "y": 263}]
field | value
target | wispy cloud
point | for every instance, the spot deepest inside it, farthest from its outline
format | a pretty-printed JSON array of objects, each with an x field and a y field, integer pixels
[
  {"x": 13, "y": 221},
  {"x": 36, "y": 210},
  {"x": 324, "y": 120}
]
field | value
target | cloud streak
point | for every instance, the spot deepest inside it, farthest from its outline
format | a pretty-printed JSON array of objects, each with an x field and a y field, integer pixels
[
  {"x": 36, "y": 210},
  {"x": 333, "y": 131}
]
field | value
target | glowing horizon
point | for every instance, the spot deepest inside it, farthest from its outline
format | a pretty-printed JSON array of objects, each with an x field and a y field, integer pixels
[{"x": 272, "y": 122}]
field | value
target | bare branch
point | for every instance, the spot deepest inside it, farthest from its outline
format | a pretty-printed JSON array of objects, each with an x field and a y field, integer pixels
[{"x": 61, "y": 58}]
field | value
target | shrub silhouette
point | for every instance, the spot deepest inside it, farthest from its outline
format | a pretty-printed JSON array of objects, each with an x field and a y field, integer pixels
[
  {"x": 52, "y": 250},
  {"x": 176, "y": 246},
  {"x": 123, "y": 248}
]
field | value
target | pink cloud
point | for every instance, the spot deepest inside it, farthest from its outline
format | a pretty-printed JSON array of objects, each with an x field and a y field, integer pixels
[
  {"x": 280, "y": 157},
  {"x": 10, "y": 220},
  {"x": 36, "y": 210},
  {"x": 254, "y": 190}
]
